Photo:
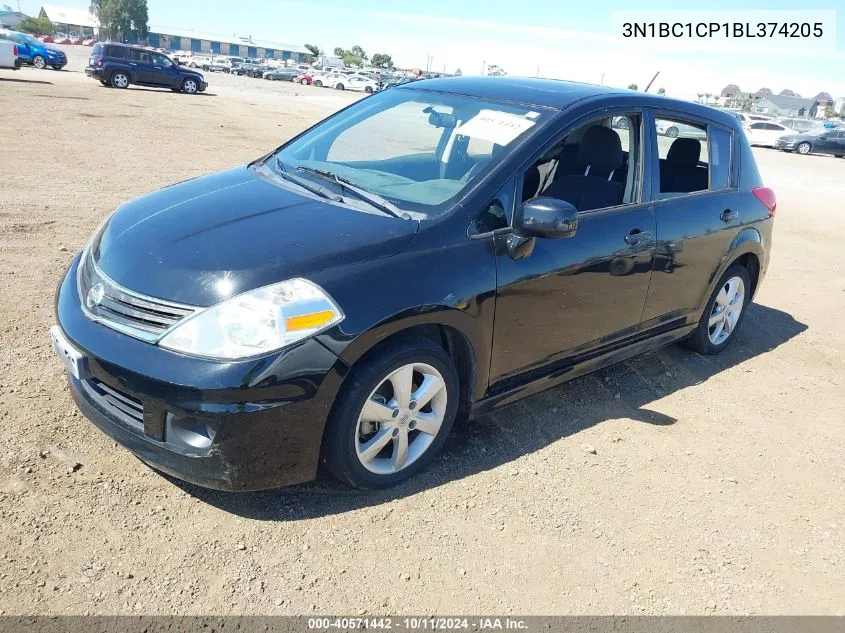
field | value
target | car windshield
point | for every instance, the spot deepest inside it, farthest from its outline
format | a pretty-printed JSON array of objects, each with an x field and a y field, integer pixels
[{"x": 415, "y": 148}]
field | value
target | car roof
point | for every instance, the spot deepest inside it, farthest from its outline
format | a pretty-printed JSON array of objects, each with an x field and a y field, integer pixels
[{"x": 560, "y": 94}]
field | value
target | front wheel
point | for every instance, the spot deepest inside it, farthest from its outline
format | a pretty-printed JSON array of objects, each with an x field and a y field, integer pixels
[
  {"x": 672, "y": 132},
  {"x": 39, "y": 62},
  {"x": 804, "y": 148},
  {"x": 724, "y": 312},
  {"x": 318, "y": 83},
  {"x": 304, "y": 82},
  {"x": 339, "y": 87},
  {"x": 190, "y": 86},
  {"x": 368, "y": 90},
  {"x": 392, "y": 415}
]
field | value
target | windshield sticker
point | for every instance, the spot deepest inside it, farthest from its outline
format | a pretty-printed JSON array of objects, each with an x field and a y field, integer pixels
[{"x": 497, "y": 127}]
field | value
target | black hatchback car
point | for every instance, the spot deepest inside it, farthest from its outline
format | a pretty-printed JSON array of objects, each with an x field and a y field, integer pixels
[
  {"x": 443, "y": 248},
  {"x": 119, "y": 65}
]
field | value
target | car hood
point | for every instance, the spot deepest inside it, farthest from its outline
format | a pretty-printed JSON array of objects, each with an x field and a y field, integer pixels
[{"x": 205, "y": 239}]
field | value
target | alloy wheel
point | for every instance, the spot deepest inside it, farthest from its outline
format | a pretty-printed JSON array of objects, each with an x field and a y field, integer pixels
[
  {"x": 39, "y": 62},
  {"x": 119, "y": 80},
  {"x": 726, "y": 310},
  {"x": 190, "y": 86},
  {"x": 672, "y": 132},
  {"x": 401, "y": 418},
  {"x": 804, "y": 148}
]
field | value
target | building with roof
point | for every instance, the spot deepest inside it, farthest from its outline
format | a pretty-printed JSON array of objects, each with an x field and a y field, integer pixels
[
  {"x": 11, "y": 19},
  {"x": 785, "y": 106},
  {"x": 175, "y": 39},
  {"x": 70, "y": 20}
]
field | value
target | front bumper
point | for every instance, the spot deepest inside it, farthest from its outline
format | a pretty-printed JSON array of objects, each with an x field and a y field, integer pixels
[{"x": 267, "y": 415}]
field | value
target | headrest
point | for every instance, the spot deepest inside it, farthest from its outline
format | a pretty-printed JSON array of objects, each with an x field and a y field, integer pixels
[
  {"x": 684, "y": 152},
  {"x": 601, "y": 149}
]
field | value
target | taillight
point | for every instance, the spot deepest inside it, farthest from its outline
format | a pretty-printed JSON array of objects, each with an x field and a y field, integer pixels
[
  {"x": 15, "y": 50},
  {"x": 767, "y": 197},
  {"x": 99, "y": 62}
]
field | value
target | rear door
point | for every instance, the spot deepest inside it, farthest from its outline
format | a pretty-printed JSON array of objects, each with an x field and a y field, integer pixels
[
  {"x": 141, "y": 66},
  {"x": 695, "y": 201}
]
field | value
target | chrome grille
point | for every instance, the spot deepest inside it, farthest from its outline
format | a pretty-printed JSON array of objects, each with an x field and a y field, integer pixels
[
  {"x": 140, "y": 316},
  {"x": 127, "y": 409}
]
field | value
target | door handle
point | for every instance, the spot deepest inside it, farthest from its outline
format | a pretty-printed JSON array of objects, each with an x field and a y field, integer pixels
[
  {"x": 636, "y": 236},
  {"x": 132, "y": 64},
  {"x": 727, "y": 216}
]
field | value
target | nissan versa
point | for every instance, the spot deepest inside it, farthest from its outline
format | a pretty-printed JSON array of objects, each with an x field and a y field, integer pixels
[{"x": 436, "y": 250}]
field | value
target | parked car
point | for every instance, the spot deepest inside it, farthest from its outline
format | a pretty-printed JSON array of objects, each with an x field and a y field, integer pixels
[
  {"x": 675, "y": 129},
  {"x": 89, "y": 41},
  {"x": 35, "y": 53},
  {"x": 9, "y": 54},
  {"x": 799, "y": 125},
  {"x": 214, "y": 330},
  {"x": 358, "y": 83},
  {"x": 306, "y": 79},
  {"x": 250, "y": 70},
  {"x": 319, "y": 78},
  {"x": 766, "y": 133},
  {"x": 282, "y": 74},
  {"x": 119, "y": 65},
  {"x": 746, "y": 117},
  {"x": 821, "y": 140},
  {"x": 219, "y": 65},
  {"x": 199, "y": 61}
]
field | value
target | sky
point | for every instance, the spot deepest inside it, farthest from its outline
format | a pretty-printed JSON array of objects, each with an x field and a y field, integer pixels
[{"x": 567, "y": 40}]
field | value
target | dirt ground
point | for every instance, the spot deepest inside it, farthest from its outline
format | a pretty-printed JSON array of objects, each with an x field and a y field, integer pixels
[{"x": 717, "y": 485}]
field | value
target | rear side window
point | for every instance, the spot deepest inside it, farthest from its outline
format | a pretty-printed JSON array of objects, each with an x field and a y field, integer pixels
[
  {"x": 116, "y": 51},
  {"x": 97, "y": 49},
  {"x": 684, "y": 157},
  {"x": 140, "y": 56},
  {"x": 720, "y": 158}
]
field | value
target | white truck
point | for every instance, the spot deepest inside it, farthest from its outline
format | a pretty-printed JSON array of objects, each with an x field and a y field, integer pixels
[{"x": 9, "y": 54}]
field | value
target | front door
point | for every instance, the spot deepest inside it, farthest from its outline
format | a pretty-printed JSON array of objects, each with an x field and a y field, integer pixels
[
  {"x": 569, "y": 296},
  {"x": 163, "y": 71},
  {"x": 695, "y": 203},
  {"x": 141, "y": 64}
]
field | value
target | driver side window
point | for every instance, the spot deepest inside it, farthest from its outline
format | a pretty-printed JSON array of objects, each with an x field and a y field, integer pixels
[{"x": 592, "y": 167}]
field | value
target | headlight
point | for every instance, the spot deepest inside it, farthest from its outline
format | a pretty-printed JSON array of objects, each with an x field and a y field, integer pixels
[{"x": 256, "y": 322}]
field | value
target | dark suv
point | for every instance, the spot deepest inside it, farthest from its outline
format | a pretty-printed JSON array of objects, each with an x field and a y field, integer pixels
[
  {"x": 119, "y": 65},
  {"x": 442, "y": 248}
]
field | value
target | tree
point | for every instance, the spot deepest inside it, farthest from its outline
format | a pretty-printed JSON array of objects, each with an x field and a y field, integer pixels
[
  {"x": 315, "y": 50},
  {"x": 458, "y": 72},
  {"x": 633, "y": 87},
  {"x": 357, "y": 51},
  {"x": 494, "y": 70},
  {"x": 118, "y": 18},
  {"x": 338, "y": 51},
  {"x": 661, "y": 91},
  {"x": 381, "y": 60},
  {"x": 39, "y": 26}
]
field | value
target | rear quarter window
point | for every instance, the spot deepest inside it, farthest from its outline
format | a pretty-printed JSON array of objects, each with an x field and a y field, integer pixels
[{"x": 116, "y": 51}]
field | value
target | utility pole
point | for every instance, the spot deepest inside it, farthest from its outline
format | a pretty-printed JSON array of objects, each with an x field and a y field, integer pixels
[
  {"x": 601, "y": 83},
  {"x": 483, "y": 66}
]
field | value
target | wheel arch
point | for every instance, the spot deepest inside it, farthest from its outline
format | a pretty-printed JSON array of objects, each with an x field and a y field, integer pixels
[
  {"x": 748, "y": 249},
  {"x": 454, "y": 330}
]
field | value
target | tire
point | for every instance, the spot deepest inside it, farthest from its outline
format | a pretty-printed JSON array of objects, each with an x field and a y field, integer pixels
[
  {"x": 368, "y": 90},
  {"x": 318, "y": 83},
  {"x": 39, "y": 62},
  {"x": 709, "y": 340},
  {"x": 104, "y": 82},
  {"x": 304, "y": 82},
  {"x": 339, "y": 87},
  {"x": 370, "y": 381},
  {"x": 804, "y": 148},
  {"x": 672, "y": 132},
  {"x": 56, "y": 67},
  {"x": 119, "y": 79},
  {"x": 190, "y": 86}
]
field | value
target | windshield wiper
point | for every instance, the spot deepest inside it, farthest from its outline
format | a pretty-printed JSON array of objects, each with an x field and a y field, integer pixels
[
  {"x": 307, "y": 184},
  {"x": 367, "y": 196}
]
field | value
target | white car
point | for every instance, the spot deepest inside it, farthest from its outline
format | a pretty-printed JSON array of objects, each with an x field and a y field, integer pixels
[
  {"x": 200, "y": 61},
  {"x": 746, "y": 118},
  {"x": 9, "y": 54},
  {"x": 359, "y": 83},
  {"x": 321, "y": 79},
  {"x": 673, "y": 129},
  {"x": 766, "y": 133}
]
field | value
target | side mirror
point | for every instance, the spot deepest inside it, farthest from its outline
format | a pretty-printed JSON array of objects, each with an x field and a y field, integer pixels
[{"x": 546, "y": 217}]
